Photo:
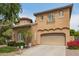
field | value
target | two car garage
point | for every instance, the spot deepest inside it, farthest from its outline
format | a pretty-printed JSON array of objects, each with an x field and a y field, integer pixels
[{"x": 56, "y": 39}]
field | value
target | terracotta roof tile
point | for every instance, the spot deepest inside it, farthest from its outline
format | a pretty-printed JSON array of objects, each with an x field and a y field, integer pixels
[{"x": 25, "y": 18}]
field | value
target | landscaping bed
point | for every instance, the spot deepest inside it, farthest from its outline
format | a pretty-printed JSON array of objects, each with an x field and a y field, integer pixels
[
  {"x": 73, "y": 45},
  {"x": 72, "y": 48}
]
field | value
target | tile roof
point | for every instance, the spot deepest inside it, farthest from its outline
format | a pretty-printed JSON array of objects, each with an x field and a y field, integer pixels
[
  {"x": 25, "y": 18},
  {"x": 67, "y": 6}
]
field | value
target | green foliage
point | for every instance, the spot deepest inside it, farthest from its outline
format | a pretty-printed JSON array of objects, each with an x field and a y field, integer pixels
[
  {"x": 15, "y": 44},
  {"x": 7, "y": 33},
  {"x": 20, "y": 44},
  {"x": 77, "y": 33},
  {"x": 12, "y": 43},
  {"x": 10, "y": 11},
  {"x": 2, "y": 40},
  {"x": 73, "y": 47},
  {"x": 7, "y": 49},
  {"x": 72, "y": 32},
  {"x": 27, "y": 34}
]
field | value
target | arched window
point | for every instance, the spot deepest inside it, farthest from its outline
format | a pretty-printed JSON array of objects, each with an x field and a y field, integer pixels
[{"x": 21, "y": 37}]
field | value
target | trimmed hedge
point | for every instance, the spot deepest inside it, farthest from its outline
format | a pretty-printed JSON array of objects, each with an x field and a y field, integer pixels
[
  {"x": 12, "y": 43},
  {"x": 20, "y": 44},
  {"x": 15, "y": 44}
]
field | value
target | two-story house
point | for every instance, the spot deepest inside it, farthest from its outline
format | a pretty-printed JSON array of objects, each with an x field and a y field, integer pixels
[{"x": 51, "y": 27}]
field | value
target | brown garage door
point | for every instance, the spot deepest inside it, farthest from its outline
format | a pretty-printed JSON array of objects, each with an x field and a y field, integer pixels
[{"x": 53, "y": 39}]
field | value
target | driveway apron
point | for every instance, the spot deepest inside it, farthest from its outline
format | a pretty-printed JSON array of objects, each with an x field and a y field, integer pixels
[{"x": 44, "y": 50}]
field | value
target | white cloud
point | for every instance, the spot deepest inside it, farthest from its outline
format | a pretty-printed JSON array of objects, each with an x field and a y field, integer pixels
[{"x": 74, "y": 22}]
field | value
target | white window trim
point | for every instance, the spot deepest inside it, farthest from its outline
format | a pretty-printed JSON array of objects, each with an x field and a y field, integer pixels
[
  {"x": 42, "y": 18},
  {"x": 51, "y": 15},
  {"x": 19, "y": 36},
  {"x": 61, "y": 13}
]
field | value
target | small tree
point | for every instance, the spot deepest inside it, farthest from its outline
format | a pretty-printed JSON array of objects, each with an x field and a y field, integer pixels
[
  {"x": 72, "y": 32},
  {"x": 28, "y": 37},
  {"x": 9, "y": 12}
]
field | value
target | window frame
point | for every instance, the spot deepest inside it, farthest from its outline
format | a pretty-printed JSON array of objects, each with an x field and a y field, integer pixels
[
  {"x": 50, "y": 17},
  {"x": 20, "y": 37},
  {"x": 61, "y": 13},
  {"x": 42, "y": 18}
]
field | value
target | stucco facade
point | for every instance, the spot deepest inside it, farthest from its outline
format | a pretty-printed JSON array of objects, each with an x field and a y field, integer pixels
[
  {"x": 60, "y": 24},
  {"x": 23, "y": 25}
]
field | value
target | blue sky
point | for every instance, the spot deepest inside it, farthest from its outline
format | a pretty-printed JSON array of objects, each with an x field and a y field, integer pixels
[{"x": 30, "y": 8}]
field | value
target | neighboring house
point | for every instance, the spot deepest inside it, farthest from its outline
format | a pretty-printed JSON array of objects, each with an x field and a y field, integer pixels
[{"x": 51, "y": 27}]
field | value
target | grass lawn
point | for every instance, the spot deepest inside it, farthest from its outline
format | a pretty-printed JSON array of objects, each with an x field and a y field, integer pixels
[{"x": 7, "y": 49}]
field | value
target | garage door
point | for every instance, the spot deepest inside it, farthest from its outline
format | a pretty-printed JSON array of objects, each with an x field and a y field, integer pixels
[{"x": 53, "y": 39}]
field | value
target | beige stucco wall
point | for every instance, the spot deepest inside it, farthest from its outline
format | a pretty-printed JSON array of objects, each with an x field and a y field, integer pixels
[
  {"x": 23, "y": 22},
  {"x": 44, "y": 27},
  {"x": 18, "y": 30},
  {"x": 60, "y": 25},
  {"x": 60, "y": 22},
  {"x": 72, "y": 38},
  {"x": 15, "y": 34},
  {"x": 38, "y": 35}
]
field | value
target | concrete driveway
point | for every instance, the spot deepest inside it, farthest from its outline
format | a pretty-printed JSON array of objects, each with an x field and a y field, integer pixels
[
  {"x": 44, "y": 50},
  {"x": 72, "y": 52}
]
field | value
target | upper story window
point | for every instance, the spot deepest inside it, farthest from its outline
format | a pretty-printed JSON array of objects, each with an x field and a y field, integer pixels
[
  {"x": 61, "y": 13},
  {"x": 50, "y": 17},
  {"x": 42, "y": 18}
]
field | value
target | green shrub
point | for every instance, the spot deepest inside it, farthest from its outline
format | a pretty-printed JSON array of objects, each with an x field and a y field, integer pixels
[
  {"x": 73, "y": 44},
  {"x": 20, "y": 44},
  {"x": 73, "y": 47},
  {"x": 12, "y": 43},
  {"x": 2, "y": 40}
]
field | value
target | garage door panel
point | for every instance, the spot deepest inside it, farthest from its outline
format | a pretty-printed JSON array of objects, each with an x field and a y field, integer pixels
[{"x": 53, "y": 39}]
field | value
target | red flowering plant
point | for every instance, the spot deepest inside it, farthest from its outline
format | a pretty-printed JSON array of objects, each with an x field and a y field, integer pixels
[{"x": 73, "y": 44}]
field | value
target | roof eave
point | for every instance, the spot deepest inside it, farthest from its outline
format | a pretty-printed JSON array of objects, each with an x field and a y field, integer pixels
[{"x": 68, "y": 6}]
